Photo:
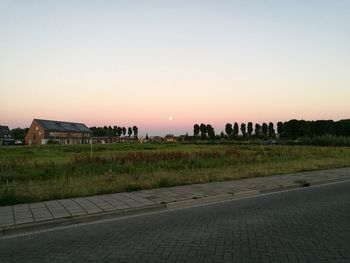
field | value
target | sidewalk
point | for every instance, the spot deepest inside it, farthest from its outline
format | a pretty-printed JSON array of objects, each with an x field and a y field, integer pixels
[{"x": 43, "y": 215}]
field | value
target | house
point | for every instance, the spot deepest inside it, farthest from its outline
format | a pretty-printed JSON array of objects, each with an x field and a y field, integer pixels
[
  {"x": 170, "y": 138},
  {"x": 61, "y": 132},
  {"x": 5, "y": 136}
]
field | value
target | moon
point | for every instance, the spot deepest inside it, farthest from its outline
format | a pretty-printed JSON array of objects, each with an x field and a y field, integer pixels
[{"x": 170, "y": 118}]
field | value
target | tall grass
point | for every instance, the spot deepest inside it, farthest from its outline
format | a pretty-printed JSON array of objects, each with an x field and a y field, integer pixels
[{"x": 38, "y": 173}]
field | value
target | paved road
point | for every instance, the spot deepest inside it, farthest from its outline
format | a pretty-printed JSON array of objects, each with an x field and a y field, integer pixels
[{"x": 309, "y": 225}]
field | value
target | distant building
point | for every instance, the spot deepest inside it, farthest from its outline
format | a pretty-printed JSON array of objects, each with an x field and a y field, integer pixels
[
  {"x": 170, "y": 138},
  {"x": 5, "y": 136},
  {"x": 112, "y": 139},
  {"x": 156, "y": 139},
  {"x": 61, "y": 132}
]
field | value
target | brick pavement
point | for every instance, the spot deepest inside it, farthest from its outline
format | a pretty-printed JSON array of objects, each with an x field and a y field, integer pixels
[{"x": 30, "y": 215}]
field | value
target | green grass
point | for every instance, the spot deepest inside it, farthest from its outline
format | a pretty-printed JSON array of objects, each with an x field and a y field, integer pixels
[{"x": 36, "y": 173}]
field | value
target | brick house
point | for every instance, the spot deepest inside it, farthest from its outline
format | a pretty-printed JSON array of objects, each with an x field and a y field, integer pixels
[
  {"x": 5, "y": 136},
  {"x": 61, "y": 132}
]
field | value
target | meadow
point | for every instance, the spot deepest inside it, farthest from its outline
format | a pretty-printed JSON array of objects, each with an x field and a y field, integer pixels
[{"x": 37, "y": 173}]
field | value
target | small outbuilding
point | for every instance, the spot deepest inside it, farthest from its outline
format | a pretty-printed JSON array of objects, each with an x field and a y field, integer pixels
[{"x": 60, "y": 132}]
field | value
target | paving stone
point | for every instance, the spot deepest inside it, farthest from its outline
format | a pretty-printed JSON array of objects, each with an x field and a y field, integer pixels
[
  {"x": 89, "y": 207},
  {"x": 5, "y": 209},
  {"x": 56, "y": 209},
  {"x": 127, "y": 201},
  {"x": 117, "y": 204},
  {"x": 41, "y": 213},
  {"x": 72, "y": 207},
  {"x": 103, "y": 205},
  {"x": 7, "y": 220},
  {"x": 37, "y": 205}
]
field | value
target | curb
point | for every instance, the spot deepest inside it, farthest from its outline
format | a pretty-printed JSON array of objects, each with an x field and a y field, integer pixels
[
  {"x": 199, "y": 201},
  {"x": 341, "y": 179},
  {"x": 52, "y": 223},
  {"x": 279, "y": 189}
]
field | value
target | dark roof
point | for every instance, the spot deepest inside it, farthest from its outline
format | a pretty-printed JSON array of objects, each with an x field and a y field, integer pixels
[
  {"x": 63, "y": 126},
  {"x": 5, "y": 132}
]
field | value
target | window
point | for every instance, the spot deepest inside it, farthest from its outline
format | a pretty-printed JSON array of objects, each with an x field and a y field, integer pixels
[
  {"x": 39, "y": 133},
  {"x": 37, "y": 128}
]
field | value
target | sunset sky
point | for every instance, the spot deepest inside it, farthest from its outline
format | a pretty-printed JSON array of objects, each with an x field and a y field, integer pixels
[{"x": 140, "y": 62}]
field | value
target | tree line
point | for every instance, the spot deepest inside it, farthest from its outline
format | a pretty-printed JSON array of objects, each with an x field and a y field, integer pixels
[
  {"x": 291, "y": 129},
  {"x": 114, "y": 131},
  {"x": 234, "y": 131},
  {"x": 294, "y": 129}
]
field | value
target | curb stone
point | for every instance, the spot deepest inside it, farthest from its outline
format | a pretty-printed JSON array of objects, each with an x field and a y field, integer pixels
[
  {"x": 199, "y": 201},
  {"x": 341, "y": 179},
  {"x": 279, "y": 188}
]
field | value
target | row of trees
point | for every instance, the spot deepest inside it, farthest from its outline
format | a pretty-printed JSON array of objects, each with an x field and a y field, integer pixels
[
  {"x": 114, "y": 131},
  {"x": 299, "y": 128},
  {"x": 233, "y": 131},
  {"x": 292, "y": 129},
  {"x": 265, "y": 130},
  {"x": 204, "y": 130}
]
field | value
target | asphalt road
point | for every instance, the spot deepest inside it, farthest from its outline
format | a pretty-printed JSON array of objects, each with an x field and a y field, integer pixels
[{"x": 308, "y": 225}]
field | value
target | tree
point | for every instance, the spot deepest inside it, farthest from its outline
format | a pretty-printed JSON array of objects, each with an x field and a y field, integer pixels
[
  {"x": 280, "y": 128},
  {"x": 124, "y": 131},
  {"x": 291, "y": 129},
  {"x": 203, "y": 130},
  {"x": 228, "y": 129},
  {"x": 19, "y": 134},
  {"x": 129, "y": 131},
  {"x": 136, "y": 131},
  {"x": 222, "y": 135},
  {"x": 243, "y": 129},
  {"x": 342, "y": 128},
  {"x": 110, "y": 131},
  {"x": 105, "y": 131},
  {"x": 196, "y": 130},
  {"x": 264, "y": 129},
  {"x": 235, "y": 129},
  {"x": 250, "y": 128},
  {"x": 115, "y": 130},
  {"x": 271, "y": 130},
  {"x": 257, "y": 130},
  {"x": 146, "y": 138},
  {"x": 210, "y": 131},
  {"x": 119, "y": 131}
]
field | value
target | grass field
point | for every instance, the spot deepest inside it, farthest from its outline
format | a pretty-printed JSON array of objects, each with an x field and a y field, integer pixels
[{"x": 36, "y": 173}]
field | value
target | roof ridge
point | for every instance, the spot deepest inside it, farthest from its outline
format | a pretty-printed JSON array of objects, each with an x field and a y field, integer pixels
[{"x": 60, "y": 121}]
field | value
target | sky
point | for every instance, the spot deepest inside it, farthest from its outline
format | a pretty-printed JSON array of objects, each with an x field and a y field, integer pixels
[{"x": 166, "y": 65}]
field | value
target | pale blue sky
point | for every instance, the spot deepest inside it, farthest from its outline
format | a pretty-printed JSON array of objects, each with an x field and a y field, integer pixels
[{"x": 139, "y": 62}]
